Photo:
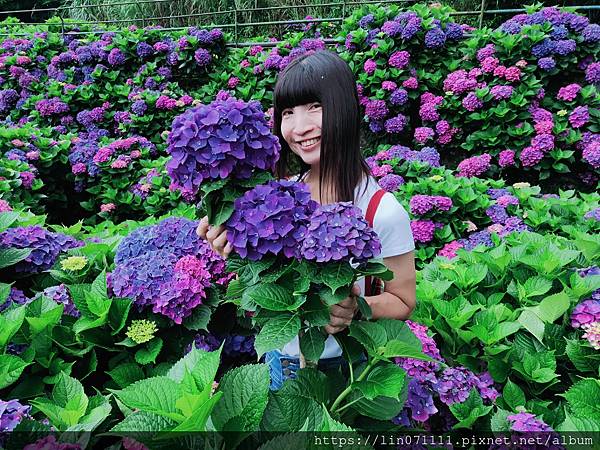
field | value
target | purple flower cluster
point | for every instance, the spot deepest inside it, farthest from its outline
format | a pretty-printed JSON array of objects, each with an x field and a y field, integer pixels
[
  {"x": 390, "y": 182},
  {"x": 51, "y": 107},
  {"x": 168, "y": 267},
  {"x": 227, "y": 138},
  {"x": 11, "y": 414},
  {"x": 339, "y": 232},
  {"x": 526, "y": 422},
  {"x": 15, "y": 297},
  {"x": 477, "y": 238},
  {"x": 586, "y": 313},
  {"x": 455, "y": 384},
  {"x": 271, "y": 218},
  {"x": 474, "y": 166},
  {"x": 60, "y": 295},
  {"x": 423, "y": 204},
  {"x": 423, "y": 230},
  {"x": 238, "y": 345},
  {"x": 45, "y": 245}
]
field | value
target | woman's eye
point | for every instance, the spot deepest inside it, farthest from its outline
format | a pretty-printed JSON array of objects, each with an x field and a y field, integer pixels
[
  {"x": 287, "y": 112},
  {"x": 316, "y": 105}
]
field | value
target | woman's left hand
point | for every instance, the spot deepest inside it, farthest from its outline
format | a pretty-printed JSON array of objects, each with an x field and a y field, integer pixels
[{"x": 341, "y": 314}]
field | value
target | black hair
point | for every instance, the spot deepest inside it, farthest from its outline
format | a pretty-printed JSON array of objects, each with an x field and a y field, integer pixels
[{"x": 324, "y": 77}]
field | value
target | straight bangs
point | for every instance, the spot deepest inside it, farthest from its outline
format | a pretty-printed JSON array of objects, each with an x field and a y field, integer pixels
[{"x": 296, "y": 86}]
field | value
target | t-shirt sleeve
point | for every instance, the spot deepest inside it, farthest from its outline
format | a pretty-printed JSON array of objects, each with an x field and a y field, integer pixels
[{"x": 392, "y": 225}]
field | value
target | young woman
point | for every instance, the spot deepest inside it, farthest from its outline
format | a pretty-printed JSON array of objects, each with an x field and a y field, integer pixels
[{"x": 317, "y": 119}]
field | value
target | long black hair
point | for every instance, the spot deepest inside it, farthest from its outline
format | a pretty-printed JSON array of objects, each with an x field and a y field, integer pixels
[{"x": 325, "y": 78}]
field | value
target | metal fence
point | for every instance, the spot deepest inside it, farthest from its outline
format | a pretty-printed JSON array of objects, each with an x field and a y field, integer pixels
[{"x": 238, "y": 21}]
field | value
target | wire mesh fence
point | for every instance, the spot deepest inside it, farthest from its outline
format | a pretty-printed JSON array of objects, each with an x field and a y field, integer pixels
[{"x": 244, "y": 19}]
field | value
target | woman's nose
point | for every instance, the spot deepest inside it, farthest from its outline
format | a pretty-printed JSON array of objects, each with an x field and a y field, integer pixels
[{"x": 303, "y": 124}]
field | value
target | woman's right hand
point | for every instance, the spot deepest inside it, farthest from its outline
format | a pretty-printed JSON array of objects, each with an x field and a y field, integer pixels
[{"x": 215, "y": 236}]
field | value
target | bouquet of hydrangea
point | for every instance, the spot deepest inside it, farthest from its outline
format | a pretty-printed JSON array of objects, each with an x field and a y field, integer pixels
[
  {"x": 218, "y": 151},
  {"x": 294, "y": 259}
]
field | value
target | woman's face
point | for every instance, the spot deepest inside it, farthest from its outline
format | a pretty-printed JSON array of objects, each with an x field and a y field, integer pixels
[{"x": 301, "y": 129}]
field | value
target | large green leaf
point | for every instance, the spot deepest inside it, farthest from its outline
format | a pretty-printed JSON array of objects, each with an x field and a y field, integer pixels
[
  {"x": 10, "y": 322},
  {"x": 513, "y": 395},
  {"x": 584, "y": 398},
  {"x": 125, "y": 374},
  {"x": 142, "y": 421},
  {"x": 337, "y": 275},
  {"x": 387, "y": 380},
  {"x": 149, "y": 353},
  {"x": 312, "y": 344},
  {"x": 245, "y": 395},
  {"x": 276, "y": 333},
  {"x": 273, "y": 297},
  {"x": 156, "y": 395},
  {"x": 370, "y": 334},
  {"x": 11, "y": 256},
  {"x": 11, "y": 368},
  {"x": 470, "y": 410},
  {"x": 287, "y": 411},
  {"x": 202, "y": 365}
]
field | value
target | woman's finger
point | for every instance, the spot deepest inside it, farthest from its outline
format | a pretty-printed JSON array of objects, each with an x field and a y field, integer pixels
[
  {"x": 227, "y": 250},
  {"x": 220, "y": 242},
  {"x": 202, "y": 227}
]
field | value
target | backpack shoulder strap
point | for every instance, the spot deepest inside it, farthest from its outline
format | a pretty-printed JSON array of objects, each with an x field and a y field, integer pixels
[{"x": 371, "y": 210}]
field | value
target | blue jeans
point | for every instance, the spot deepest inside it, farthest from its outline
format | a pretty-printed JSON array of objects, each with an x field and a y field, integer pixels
[{"x": 283, "y": 367}]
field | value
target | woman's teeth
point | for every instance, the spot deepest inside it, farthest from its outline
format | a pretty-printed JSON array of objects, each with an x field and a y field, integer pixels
[{"x": 309, "y": 142}]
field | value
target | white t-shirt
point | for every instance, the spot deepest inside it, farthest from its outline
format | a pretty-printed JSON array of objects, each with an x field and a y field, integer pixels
[{"x": 392, "y": 225}]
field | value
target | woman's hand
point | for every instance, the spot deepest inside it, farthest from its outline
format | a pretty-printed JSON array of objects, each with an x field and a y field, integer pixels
[
  {"x": 341, "y": 314},
  {"x": 215, "y": 236}
]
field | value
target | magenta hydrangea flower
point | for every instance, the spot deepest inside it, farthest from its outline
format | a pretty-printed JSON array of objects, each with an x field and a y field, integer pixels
[
  {"x": 388, "y": 85},
  {"x": 202, "y": 57},
  {"x": 410, "y": 83},
  {"x": 422, "y": 230},
  {"x": 396, "y": 124},
  {"x": 471, "y": 102},
  {"x": 45, "y": 245},
  {"x": 4, "y": 206},
  {"x": 474, "y": 166},
  {"x": 449, "y": 249},
  {"x": 422, "y": 370},
  {"x": 116, "y": 57},
  {"x": 568, "y": 93},
  {"x": 270, "y": 218},
  {"x": 591, "y": 154},
  {"x": 506, "y": 158},
  {"x": 501, "y": 92},
  {"x": 585, "y": 313},
  {"x": 543, "y": 142},
  {"x": 370, "y": 66},
  {"x": 228, "y": 138},
  {"x": 339, "y": 232},
  {"x": 423, "y": 134},
  {"x": 592, "y": 73}
]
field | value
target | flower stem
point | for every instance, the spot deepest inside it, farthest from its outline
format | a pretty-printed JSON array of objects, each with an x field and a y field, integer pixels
[{"x": 348, "y": 389}]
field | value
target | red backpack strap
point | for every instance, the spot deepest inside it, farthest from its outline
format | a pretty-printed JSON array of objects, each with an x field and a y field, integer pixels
[{"x": 371, "y": 210}]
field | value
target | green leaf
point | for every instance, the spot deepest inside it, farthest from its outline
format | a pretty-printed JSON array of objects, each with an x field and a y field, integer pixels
[
  {"x": 583, "y": 357},
  {"x": 196, "y": 422},
  {"x": 537, "y": 286},
  {"x": 370, "y": 334},
  {"x": 48, "y": 318},
  {"x": 584, "y": 398},
  {"x": 312, "y": 344},
  {"x": 202, "y": 365},
  {"x": 99, "y": 409},
  {"x": 199, "y": 318},
  {"x": 513, "y": 395},
  {"x": 399, "y": 349},
  {"x": 470, "y": 410},
  {"x": 388, "y": 380},
  {"x": 11, "y": 256},
  {"x": 11, "y": 368},
  {"x": 148, "y": 355},
  {"x": 10, "y": 322},
  {"x": 156, "y": 395},
  {"x": 126, "y": 374},
  {"x": 288, "y": 411},
  {"x": 381, "y": 408},
  {"x": 532, "y": 323},
  {"x": 118, "y": 313},
  {"x": 276, "y": 333},
  {"x": 553, "y": 307},
  {"x": 142, "y": 421},
  {"x": 7, "y": 219},
  {"x": 245, "y": 395},
  {"x": 337, "y": 275},
  {"x": 272, "y": 296},
  {"x": 578, "y": 423}
]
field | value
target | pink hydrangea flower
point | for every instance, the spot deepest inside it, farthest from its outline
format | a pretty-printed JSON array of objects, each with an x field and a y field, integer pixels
[
  {"x": 410, "y": 83},
  {"x": 107, "y": 207}
]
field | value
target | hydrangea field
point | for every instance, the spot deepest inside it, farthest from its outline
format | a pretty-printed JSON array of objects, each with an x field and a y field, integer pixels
[{"x": 119, "y": 323}]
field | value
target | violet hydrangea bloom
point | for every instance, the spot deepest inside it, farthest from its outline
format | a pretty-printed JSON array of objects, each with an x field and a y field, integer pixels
[
  {"x": 228, "y": 138},
  {"x": 585, "y": 313},
  {"x": 60, "y": 294},
  {"x": 239, "y": 345},
  {"x": 416, "y": 368},
  {"x": 339, "y": 232},
  {"x": 204, "y": 341},
  {"x": 390, "y": 182},
  {"x": 45, "y": 245},
  {"x": 527, "y": 422},
  {"x": 15, "y": 297},
  {"x": 271, "y": 218},
  {"x": 11, "y": 414}
]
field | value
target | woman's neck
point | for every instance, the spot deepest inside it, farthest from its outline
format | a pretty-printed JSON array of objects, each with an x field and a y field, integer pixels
[{"x": 327, "y": 192}]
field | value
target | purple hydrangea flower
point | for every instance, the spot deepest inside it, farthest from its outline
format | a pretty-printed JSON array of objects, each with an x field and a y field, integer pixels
[
  {"x": 339, "y": 232},
  {"x": 15, "y": 297},
  {"x": 501, "y": 92},
  {"x": 527, "y": 422},
  {"x": 204, "y": 341},
  {"x": 592, "y": 73},
  {"x": 396, "y": 124},
  {"x": 497, "y": 213},
  {"x": 11, "y": 414},
  {"x": 416, "y": 368},
  {"x": 474, "y": 166},
  {"x": 202, "y": 57},
  {"x": 228, "y": 138},
  {"x": 60, "y": 295},
  {"x": 435, "y": 38},
  {"x": 477, "y": 238},
  {"x": 376, "y": 109},
  {"x": 546, "y": 64},
  {"x": 585, "y": 313},
  {"x": 399, "y": 97},
  {"x": 237, "y": 345},
  {"x": 271, "y": 218},
  {"x": 390, "y": 182},
  {"x": 45, "y": 245},
  {"x": 530, "y": 156},
  {"x": 399, "y": 59},
  {"x": 579, "y": 117},
  {"x": 116, "y": 57},
  {"x": 591, "y": 33},
  {"x": 144, "y": 50},
  {"x": 422, "y": 230},
  {"x": 593, "y": 214}
]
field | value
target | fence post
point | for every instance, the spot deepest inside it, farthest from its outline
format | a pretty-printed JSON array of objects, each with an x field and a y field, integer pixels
[
  {"x": 481, "y": 11},
  {"x": 235, "y": 24}
]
